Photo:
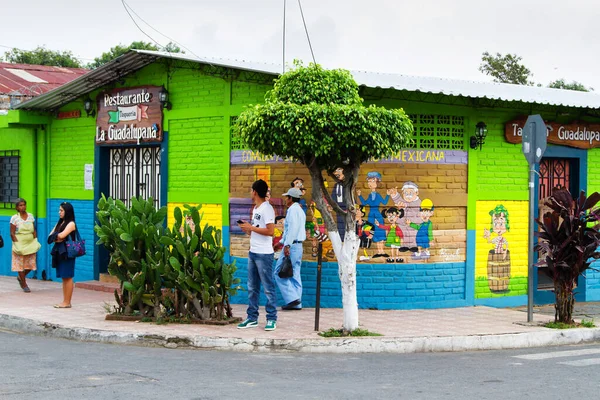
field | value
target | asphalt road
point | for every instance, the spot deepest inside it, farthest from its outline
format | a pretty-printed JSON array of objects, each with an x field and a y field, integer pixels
[{"x": 42, "y": 368}]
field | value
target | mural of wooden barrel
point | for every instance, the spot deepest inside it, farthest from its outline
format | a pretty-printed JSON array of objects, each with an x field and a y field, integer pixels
[{"x": 498, "y": 271}]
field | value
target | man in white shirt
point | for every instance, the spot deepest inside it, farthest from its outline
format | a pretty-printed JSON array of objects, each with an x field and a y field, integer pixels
[
  {"x": 260, "y": 258},
  {"x": 294, "y": 233}
]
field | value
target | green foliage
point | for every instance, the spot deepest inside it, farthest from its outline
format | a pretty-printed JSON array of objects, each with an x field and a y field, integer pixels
[
  {"x": 120, "y": 49},
  {"x": 332, "y": 332},
  {"x": 563, "y": 325},
  {"x": 569, "y": 243},
  {"x": 562, "y": 84},
  {"x": 178, "y": 272},
  {"x": 505, "y": 68},
  {"x": 587, "y": 324},
  {"x": 42, "y": 56},
  {"x": 316, "y": 115}
]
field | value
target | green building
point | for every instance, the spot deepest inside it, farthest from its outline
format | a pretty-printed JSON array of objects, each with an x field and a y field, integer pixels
[{"x": 159, "y": 125}]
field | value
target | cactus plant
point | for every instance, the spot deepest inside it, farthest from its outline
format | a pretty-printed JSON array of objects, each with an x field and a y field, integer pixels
[{"x": 178, "y": 271}]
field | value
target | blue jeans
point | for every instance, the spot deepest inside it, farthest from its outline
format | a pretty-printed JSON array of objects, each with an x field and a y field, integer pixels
[
  {"x": 260, "y": 269},
  {"x": 291, "y": 288}
]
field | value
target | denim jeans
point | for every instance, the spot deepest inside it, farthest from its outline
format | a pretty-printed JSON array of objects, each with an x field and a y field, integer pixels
[{"x": 260, "y": 270}]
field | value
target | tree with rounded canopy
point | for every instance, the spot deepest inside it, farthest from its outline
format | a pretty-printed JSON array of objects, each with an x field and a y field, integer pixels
[{"x": 316, "y": 117}]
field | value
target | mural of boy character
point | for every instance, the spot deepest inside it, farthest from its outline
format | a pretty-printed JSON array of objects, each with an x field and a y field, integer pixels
[
  {"x": 394, "y": 233},
  {"x": 298, "y": 183},
  {"x": 424, "y": 230},
  {"x": 277, "y": 235},
  {"x": 374, "y": 201},
  {"x": 318, "y": 233},
  {"x": 364, "y": 230},
  {"x": 411, "y": 203},
  {"x": 498, "y": 266}
]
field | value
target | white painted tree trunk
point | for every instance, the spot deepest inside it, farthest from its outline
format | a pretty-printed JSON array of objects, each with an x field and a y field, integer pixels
[{"x": 346, "y": 254}]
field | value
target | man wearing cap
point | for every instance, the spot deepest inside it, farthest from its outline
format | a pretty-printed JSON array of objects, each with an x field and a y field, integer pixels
[{"x": 294, "y": 234}]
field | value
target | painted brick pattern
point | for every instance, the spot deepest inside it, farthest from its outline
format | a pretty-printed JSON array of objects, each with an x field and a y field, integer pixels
[
  {"x": 243, "y": 93},
  {"x": 72, "y": 148},
  {"x": 192, "y": 89},
  {"x": 592, "y": 280},
  {"x": 500, "y": 164},
  {"x": 383, "y": 287},
  {"x": 517, "y": 238},
  {"x": 593, "y": 170},
  {"x": 84, "y": 216},
  {"x": 211, "y": 214},
  {"x": 196, "y": 159},
  {"x": 445, "y": 184}
]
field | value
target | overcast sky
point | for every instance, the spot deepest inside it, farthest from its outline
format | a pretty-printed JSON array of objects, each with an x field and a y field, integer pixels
[{"x": 555, "y": 38}]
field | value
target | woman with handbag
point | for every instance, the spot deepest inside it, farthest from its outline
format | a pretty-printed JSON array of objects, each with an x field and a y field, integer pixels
[
  {"x": 65, "y": 266},
  {"x": 25, "y": 243}
]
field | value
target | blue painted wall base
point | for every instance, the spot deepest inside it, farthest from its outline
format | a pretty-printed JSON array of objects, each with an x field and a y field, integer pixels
[{"x": 379, "y": 286}]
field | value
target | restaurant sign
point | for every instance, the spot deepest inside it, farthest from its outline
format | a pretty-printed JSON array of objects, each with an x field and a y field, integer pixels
[
  {"x": 581, "y": 135},
  {"x": 129, "y": 115}
]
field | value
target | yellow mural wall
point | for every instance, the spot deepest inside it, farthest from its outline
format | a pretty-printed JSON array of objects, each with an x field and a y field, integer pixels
[
  {"x": 501, "y": 266},
  {"x": 211, "y": 214}
]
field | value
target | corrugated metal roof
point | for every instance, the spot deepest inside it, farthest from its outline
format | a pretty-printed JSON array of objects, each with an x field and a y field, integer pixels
[
  {"x": 109, "y": 72},
  {"x": 137, "y": 59},
  {"x": 33, "y": 80}
]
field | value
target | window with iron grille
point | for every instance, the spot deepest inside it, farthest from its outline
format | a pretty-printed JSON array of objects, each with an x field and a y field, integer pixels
[
  {"x": 443, "y": 132},
  {"x": 431, "y": 131},
  {"x": 9, "y": 177},
  {"x": 236, "y": 140}
]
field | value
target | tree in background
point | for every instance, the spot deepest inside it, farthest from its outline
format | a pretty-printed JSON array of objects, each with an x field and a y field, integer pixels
[
  {"x": 119, "y": 50},
  {"x": 508, "y": 69},
  {"x": 42, "y": 56},
  {"x": 316, "y": 117},
  {"x": 562, "y": 84},
  {"x": 505, "y": 69}
]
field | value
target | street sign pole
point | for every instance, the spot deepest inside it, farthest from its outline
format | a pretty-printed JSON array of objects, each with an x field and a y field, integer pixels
[
  {"x": 530, "y": 269},
  {"x": 534, "y": 144}
]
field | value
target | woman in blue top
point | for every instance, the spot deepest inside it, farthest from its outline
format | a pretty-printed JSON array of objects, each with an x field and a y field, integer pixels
[{"x": 374, "y": 201}]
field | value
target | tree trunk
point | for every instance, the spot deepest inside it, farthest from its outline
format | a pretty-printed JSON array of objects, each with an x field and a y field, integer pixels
[
  {"x": 565, "y": 301},
  {"x": 347, "y": 273}
]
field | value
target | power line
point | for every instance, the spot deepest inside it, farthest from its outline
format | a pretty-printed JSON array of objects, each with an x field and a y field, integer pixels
[
  {"x": 159, "y": 32},
  {"x": 283, "y": 50},
  {"x": 306, "y": 30},
  {"x": 136, "y": 24}
]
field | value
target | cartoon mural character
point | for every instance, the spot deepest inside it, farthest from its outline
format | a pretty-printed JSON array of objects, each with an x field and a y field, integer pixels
[
  {"x": 394, "y": 233},
  {"x": 318, "y": 232},
  {"x": 364, "y": 230},
  {"x": 498, "y": 266},
  {"x": 277, "y": 235},
  {"x": 411, "y": 203},
  {"x": 299, "y": 184},
  {"x": 374, "y": 200},
  {"x": 340, "y": 198},
  {"x": 424, "y": 230}
]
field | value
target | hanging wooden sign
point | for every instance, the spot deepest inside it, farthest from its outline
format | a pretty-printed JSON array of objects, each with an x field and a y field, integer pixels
[
  {"x": 581, "y": 135},
  {"x": 129, "y": 115}
]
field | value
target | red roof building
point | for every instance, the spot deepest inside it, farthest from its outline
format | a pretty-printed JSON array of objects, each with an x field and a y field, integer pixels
[{"x": 20, "y": 82}]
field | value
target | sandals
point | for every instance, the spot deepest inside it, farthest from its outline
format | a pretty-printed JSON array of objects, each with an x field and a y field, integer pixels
[
  {"x": 23, "y": 285},
  {"x": 59, "y": 306}
]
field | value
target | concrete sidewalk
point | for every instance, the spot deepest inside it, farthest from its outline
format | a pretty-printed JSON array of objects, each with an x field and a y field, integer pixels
[{"x": 404, "y": 331}]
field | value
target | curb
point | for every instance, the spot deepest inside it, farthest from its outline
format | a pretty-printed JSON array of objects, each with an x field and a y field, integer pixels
[{"x": 331, "y": 345}]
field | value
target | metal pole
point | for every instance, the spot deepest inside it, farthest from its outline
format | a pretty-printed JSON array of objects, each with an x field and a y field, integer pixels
[
  {"x": 318, "y": 302},
  {"x": 530, "y": 248}
]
